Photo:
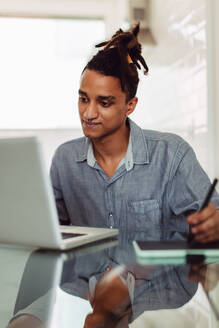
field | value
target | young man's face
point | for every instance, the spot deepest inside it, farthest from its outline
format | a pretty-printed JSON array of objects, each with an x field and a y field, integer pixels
[{"x": 102, "y": 105}]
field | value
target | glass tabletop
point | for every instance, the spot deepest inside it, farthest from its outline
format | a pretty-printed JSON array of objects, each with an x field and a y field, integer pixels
[{"x": 105, "y": 285}]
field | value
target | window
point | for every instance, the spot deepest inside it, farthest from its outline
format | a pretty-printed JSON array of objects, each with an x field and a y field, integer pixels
[{"x": 40, "y": 63}]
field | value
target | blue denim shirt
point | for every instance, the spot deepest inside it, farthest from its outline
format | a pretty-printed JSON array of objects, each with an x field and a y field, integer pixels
[{"x": 152, "y": 191}]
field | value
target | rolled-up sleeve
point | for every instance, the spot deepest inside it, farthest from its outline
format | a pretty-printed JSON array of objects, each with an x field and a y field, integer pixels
[{"x": 189, "y": 183}]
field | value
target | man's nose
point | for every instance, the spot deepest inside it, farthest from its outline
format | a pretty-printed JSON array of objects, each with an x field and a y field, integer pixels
[{"x": 91, "y": 111}]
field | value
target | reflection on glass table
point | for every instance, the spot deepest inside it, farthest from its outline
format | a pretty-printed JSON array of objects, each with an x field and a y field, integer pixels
[{"x": 108, "y": 288}]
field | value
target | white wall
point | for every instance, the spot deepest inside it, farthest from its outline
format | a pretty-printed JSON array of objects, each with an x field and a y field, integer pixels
[
  {"x": 174, "y": 95},
  {"x": 213, "y": 83}
]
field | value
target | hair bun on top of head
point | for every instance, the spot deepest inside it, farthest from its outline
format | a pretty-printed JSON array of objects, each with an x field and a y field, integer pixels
[{"x": 128, "y": 46}]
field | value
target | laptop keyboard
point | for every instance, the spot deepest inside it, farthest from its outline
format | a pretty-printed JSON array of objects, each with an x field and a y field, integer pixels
[{"x": 66, "y": 235}]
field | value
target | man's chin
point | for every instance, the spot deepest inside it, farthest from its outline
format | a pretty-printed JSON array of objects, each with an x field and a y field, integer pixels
[{"x": 91, "y": 135}]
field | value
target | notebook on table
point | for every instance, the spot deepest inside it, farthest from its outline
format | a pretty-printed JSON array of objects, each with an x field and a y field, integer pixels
[
  {"x": 28, "y": 214},
  {"x": 175, "y": 249}
]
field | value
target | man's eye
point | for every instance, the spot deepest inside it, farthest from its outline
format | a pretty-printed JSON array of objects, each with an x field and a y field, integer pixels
[
  {"x": 83, "y": 99},
  {"x": 105, "y": 103}
]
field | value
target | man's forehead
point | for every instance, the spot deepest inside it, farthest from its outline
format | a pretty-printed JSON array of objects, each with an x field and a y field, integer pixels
[{"x": 92, "y": 81}]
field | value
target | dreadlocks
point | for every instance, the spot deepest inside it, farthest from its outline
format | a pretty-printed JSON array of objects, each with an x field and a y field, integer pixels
[{"x": 120, "y": 58}]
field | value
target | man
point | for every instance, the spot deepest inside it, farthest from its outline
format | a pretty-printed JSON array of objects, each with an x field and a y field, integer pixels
[{"x": 121, "y": 176}]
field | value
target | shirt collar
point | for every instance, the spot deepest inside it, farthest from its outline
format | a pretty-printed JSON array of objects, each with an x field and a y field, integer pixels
[
  {"x": 127, "y": 160},
  {"x": 91, "y": 160},
  {"x": 139, "y": 144},
  {"x": 137, "y": 152}
]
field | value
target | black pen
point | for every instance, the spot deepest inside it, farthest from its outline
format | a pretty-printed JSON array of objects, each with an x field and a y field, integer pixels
[
  {"x": 209, "y": 194},
  {"x": 205, "y": 204}
]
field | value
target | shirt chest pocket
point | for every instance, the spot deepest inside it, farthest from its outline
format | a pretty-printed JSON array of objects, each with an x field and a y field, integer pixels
[{"x": 144, "y": 215}]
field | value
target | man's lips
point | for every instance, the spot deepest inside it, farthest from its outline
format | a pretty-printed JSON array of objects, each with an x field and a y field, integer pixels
[{"x": 90, "y": 124}]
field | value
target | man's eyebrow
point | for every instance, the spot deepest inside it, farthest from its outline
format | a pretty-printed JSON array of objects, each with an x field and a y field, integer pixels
[
  {"x": 82, "y": 92},
  {"x": 111, "y": 98},
  {"x": 106, "y": 98}
]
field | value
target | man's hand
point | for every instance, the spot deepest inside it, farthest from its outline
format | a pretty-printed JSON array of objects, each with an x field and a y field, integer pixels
[
  {"x": 205, "y": 224},
  {"x": 110, "y": 293},
  {"x": 111, "y": 302}
]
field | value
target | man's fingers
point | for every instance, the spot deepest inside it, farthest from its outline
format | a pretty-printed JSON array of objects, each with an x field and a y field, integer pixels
[
  {"x": 204, "y": 227},
  {"x": 208, "y": 211},
  {"x": 203, "y": 215},
  {"x": 204, "y": 239},
  {"x": 205, "y": 224},
  {"x": 208, "y": 235},
  {"x": 205, "y": 233}
]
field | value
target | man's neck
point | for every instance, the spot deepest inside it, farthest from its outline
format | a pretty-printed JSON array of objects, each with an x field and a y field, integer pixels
[
  {"x": 113, "y": 147},
  {"x": 110, "y": 150}
]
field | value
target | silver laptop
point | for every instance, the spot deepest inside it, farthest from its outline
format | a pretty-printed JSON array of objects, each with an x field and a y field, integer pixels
[{"x": 28, "y": 213}]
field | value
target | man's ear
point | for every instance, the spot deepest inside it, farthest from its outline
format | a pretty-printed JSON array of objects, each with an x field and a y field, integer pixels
[{"x": 131, "y": 105}]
